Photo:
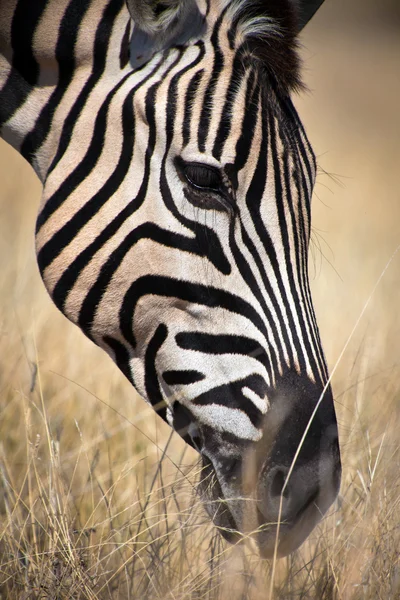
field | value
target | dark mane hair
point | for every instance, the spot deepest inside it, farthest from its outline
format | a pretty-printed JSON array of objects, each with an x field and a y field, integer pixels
[{"x": 268, "y": 29}]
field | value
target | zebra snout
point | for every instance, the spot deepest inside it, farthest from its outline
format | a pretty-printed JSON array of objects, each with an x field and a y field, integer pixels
[
  {"x": 283, "y": 499},
  {"x": 297, "y": 498}
]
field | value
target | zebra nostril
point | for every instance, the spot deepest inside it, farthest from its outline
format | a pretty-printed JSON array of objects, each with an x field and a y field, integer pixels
[
  {"x": 284, "y": 500},
  {"x": 276, "y": 497},
  {"x": 278, "y": 487}
]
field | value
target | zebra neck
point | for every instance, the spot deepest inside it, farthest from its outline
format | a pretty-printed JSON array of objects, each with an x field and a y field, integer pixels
[{"x": 50, "y": 51}]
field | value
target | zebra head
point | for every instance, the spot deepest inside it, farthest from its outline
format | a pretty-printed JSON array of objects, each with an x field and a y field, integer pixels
[{"x": 190, "y": 268}]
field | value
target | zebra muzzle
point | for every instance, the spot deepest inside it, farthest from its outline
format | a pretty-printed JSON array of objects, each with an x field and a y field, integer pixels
[{"x": 274, "y": 491}]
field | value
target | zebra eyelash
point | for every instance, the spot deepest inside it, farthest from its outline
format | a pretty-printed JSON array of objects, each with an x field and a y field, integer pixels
[
  {"x": 203, "y": 177},
  {"x": 206, "y": 186}
]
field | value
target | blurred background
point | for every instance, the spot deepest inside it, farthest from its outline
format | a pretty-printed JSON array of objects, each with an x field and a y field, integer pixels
[{"x": 351, "y": 55}]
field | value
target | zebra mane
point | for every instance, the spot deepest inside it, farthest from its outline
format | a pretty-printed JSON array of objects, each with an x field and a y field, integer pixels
[{"x": 269, "y": 30}]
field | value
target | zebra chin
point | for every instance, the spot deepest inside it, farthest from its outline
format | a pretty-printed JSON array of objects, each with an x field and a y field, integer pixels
[{"x": 272, "y": 493}]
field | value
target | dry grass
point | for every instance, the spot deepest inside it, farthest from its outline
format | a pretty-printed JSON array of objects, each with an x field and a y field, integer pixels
[{"x": 98, "y": 499}]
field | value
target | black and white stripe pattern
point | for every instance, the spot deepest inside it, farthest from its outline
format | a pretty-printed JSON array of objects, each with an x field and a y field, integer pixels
[{"x": 175, "y": 221}]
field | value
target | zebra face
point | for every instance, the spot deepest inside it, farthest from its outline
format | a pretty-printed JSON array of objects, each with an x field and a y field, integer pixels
[
  {"x": 227, "y": 345},
  {"x": 188, "y": 265}
]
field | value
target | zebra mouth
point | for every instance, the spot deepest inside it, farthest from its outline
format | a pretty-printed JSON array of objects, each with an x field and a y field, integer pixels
[
  {"x": 290, "y": 534},
  {"x": 215, "y": 503},
  {"x": 239, "y": 518}
]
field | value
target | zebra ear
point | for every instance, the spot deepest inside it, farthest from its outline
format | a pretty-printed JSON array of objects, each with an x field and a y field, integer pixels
[
  {"x": 160, "y": 24},
  {"x": 306, "y": 10},
  {"x": 157, "y": 17}
]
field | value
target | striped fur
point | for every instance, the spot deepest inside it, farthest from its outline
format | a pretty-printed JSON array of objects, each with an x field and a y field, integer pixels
[{"x": 175, "y": 223}]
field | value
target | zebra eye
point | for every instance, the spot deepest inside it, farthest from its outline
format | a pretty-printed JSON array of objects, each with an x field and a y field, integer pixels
[
  {"x": 206, "y": 187},
  {"x": 203, "y": 176}
]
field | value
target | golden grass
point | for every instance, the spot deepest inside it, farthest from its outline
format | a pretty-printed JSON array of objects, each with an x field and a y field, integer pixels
[{"x": 97, "y": 498}]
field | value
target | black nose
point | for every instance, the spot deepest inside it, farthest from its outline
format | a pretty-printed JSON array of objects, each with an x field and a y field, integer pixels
[
  {"x": 311, "y": 487},
  {"x": 286, "y": 499},
  {"x": 300, "y": 474}
]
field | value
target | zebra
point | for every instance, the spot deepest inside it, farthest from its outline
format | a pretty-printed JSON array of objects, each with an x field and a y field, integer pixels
[{"x": 174, "y": 229}]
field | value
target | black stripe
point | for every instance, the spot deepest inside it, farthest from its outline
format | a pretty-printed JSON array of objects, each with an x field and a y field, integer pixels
[
  {"x": 280, "y": 202},
  {"x": 208, "y": 343},
  {"x": 148, "y": 231},
  {"x": 99, "y": 61},
  {"x": 124, "y": 53},
  {"x": 245, "y": 140},
  {"x": 249, "y": 278},
  {"x": 182, "y": 377},
  {"x": 64, "y": 55},
  {"x": 190, "y": 94},
  {"x": 80, "y": 172},
  {"x": 121, "y": 356},
  {"x": 231, "y": 396},
  {"x": 189, "y": 99},
  {"x": 302, "y": 190},
  {"x": 299, "y": 235},
  {"x": 110, "y": 187},
  {"x": 26, "y": 18},
  {"x": 152, "y": 384},
  {"x": 225, "y": 124},
  {"x": 24, "y": 66},
  {"x": 306, "y": 150},
  {"x": 70, "y": 229},
  {"x": 254, "y": 196},
  {"x": 206, "y": 111},
  {"x": 184, "y": 290},
  {"x": 12, "y": 96},
  {"x": 70, "y": 275},
  {"x": 275, "y": 301}
]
